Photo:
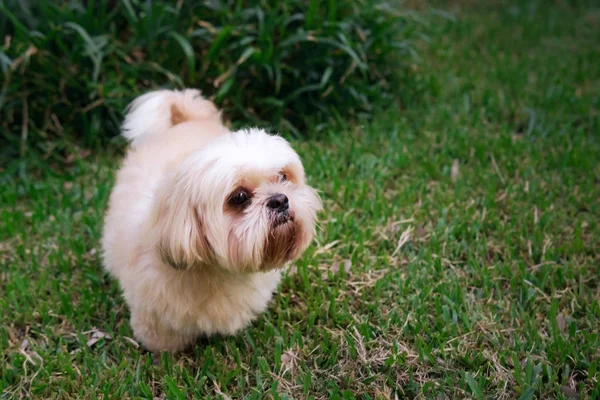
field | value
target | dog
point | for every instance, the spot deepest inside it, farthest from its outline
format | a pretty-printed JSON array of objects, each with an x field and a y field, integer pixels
[{"x": 201, "y": 220}]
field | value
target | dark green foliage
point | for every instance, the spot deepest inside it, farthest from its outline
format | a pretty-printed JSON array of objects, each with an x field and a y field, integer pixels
[{"x": 70, "y": 67}]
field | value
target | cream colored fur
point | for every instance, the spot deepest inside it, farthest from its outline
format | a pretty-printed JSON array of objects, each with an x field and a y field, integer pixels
[{"x": 189, "y": 261}]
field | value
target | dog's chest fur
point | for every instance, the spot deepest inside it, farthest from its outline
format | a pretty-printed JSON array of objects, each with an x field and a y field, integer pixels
[{"x": 202, "y": 301}]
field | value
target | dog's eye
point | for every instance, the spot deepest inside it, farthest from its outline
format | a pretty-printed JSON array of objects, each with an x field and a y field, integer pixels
[
  {"x": 283, "y": 177},
  {"x": 240, "y": 198}
]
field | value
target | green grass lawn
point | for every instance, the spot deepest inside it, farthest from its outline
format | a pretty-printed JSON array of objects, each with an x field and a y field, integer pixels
[{"x": 458, "y": 255}]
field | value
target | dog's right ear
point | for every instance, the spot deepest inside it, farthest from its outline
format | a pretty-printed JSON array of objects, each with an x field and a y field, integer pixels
[{"x": 178, "y": 228}]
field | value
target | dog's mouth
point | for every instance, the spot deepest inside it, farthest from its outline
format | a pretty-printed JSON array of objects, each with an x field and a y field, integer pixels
[
  {"x": 281, "y": 218},
  {"x": 280, "y": 245}
]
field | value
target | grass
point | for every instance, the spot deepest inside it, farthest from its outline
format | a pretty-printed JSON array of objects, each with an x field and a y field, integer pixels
[{"x": 458, "y": 256}]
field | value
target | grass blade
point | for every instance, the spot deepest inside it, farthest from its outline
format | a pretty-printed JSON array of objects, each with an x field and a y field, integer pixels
[
  {"x": 188, "y": 50},
  {"x": 475, "y": 389}
]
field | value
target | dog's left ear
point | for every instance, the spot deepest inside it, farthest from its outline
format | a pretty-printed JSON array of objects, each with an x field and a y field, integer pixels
[{"x": 178, "y": 229}]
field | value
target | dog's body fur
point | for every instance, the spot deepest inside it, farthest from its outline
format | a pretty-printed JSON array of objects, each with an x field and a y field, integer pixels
[{"x": 181, "y": 256}]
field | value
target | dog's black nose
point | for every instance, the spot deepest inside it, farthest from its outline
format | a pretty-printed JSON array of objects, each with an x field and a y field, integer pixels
[{"x": 278, "y": 202}]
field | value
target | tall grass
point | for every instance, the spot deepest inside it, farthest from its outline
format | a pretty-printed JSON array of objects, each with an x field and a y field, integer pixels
[{"x": 70, "y": 67}]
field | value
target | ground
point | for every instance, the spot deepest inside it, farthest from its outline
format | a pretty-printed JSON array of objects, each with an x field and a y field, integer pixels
[{"x": 457, "y": 256}]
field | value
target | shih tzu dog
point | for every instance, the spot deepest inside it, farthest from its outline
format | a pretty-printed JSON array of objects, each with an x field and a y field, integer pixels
[{"x": 201, "y": 220}]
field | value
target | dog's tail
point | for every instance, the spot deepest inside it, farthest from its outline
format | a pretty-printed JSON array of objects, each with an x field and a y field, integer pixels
[{"x": 154, "y": 113}]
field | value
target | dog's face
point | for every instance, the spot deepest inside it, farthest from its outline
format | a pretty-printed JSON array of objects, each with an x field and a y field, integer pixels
[{"x": 241, "y": 203}]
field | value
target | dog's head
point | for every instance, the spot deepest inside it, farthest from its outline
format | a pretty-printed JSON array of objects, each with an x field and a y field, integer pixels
[{"x": 241, "y": 203}]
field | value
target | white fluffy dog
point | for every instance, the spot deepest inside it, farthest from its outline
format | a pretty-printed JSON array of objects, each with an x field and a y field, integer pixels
[{"x": 201, "y": 220}]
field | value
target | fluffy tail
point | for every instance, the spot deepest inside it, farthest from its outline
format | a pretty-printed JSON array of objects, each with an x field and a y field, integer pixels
[{"x": 156, "y": 112}]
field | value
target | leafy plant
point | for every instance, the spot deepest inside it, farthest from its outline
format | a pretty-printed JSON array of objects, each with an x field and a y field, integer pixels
[{"x": 70, "y": 67}]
